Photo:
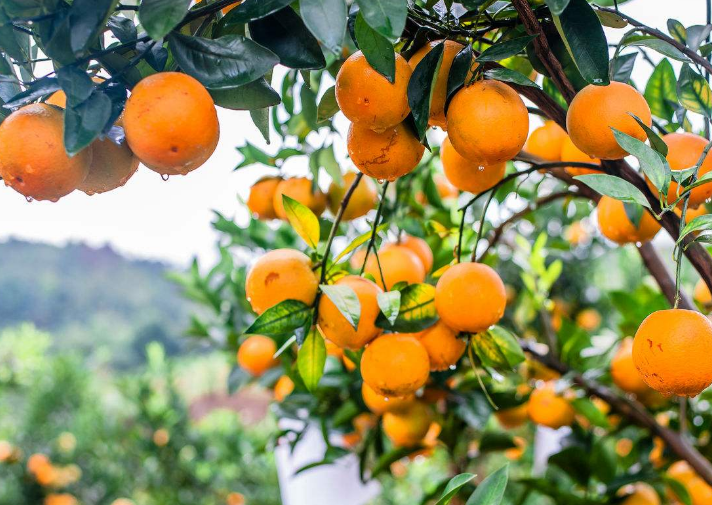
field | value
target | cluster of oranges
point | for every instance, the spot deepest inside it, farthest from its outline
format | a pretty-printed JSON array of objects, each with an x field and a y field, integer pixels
[{"x": 170, "y": 125}]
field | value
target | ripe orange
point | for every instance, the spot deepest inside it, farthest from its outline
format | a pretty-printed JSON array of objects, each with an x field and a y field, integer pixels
[
  {"x": 684, "y": 150},
  {"x": 671, "y": 351},
  {"x": 576, "y": 233},
  {"x": 616, "y": 226},
  {"x": 261, "y": 199},
  {"x": 702, "y": 294},
  {"x": 470, "y": 297},
  {"x": 513, "y": 417},
  {"x": 283, "y": 388},
  {"x": 439, "y": 92},
  {"x": 161, "y": 437},
  {"x": 256, "y": 354},
  {"x": 516, "y": 453},
  {"x": 588, "y": 319},
  {"x": 367, "y": 98},
  {"x": 302, "y": 190},
  {"x": 235, "y": 498},
  {"x": 334, "y": 325},
  {"x": 546, "y": 141},
  {"x": 624, "y": 446},
  {"x": 60, "y": 499},
  {"x": 596, "y": 109},
  {"x": 385, "y": 155},
  {"x": 466, "y": 175},
  {"x": 112, "y": 165},
  {"x": 399, "y": 264},
  {"x": 407, "y": 426},
  {"x": 395, "y": 365},
  {"x": 643, "y": 494},
  {"x": 547, "y": 408},
  {"x": 487, "y": 122},
  {"x": 363, "y": 199},
  {"x": 171, "y": 123},
  {"x": 443, "y": 346},
  {"x": 282, "y": 274},
  {"x": 700, "y": 492},
  {"x": 623, "y": 370},
  {"x": 445, "y": 188},
  {"x": 569, "y": 152},
  {"x": 421, "y": 248},
  {"x": 379, "y": 404},
  {"x": 33, "y": 161}
]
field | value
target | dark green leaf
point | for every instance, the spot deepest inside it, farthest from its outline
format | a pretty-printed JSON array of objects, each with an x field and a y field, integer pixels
[
  {"x": 604, "y": 458},
  {"x": 696, "y": 35},
  {"x": 327, "y": 106},
  {"x": 159, "y": 17},
  {"x": 249, "y": 10},
  {"x": 421, "y": 87},
  {"x": 508, "y": 75},
  {"x": 389, "y": 303},
  {"x": 284, "y": 33},
  {"x": 651, "y": 162},
  {"x": 656, "y": 142},
  {"x": 311, "y": 359},
  {"x": 677, "y": 30},
  {"x": 679, "y": 489},
  {"x": 237, "y": 378},
  {"x": 376, "y": 48},
  {"x": 387, "y": 17},
  {"x": 502, "y": 50},
  {"x": 327, "y": 21},
  {"x": 588, "y": 409},
  {"x": 661, "y": 90},
  {"x": 700, "y": 223},
  {"x": 622, "y": 67},
  {"x": 229, "y": 61},
  {"x": 84, "y": 122},
  {"x": 694, "y": 92},
  {"x": 459, "y": 70},
  {"x": 260, "y": 117},
  {"x": 75, "y": 83},
  {"x": 574, "y": 461},
  {"x": 454, "y": 486},
  {"x": 284, "y": 318},
  {"x": 662, "y": 47},
  {"x": 10, "y": 41},
  {"x": 557, "y": 6},
  {"x": 475, "y": 410},
  {"x": 615, "y": 187},
  {"x": 346, "y": 301},
  {"x": 87, "y": 19},
  {"x": 497, "y": 348},
  {"x": 495, "y": 441},
  {"x": 122, "y": 28},
  {"x": 491, "y": 490},
  {"x": 634, "y": 212},
  {"x": 251, "y": 96},
  {"x": 417, "y": 310}
]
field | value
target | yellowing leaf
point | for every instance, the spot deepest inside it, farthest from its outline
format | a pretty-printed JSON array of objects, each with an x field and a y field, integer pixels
[{"x": 305, "y": 223}]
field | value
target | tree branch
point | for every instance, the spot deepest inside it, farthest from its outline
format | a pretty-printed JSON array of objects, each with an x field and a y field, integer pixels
[{"x": 657, "y": 269}]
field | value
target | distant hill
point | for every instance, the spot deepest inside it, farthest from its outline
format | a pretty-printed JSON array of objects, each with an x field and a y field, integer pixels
[{"x": 93, "y": 300}]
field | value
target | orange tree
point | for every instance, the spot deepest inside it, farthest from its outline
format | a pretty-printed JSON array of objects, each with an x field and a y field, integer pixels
[{"x": 394, "y": 326}]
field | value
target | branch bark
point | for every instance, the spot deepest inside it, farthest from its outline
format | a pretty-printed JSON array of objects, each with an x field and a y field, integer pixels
[{"x": 661, "y": 275}]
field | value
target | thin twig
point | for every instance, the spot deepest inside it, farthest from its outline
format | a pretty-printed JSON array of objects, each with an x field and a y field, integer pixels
[{"x": 372, "y": 240}]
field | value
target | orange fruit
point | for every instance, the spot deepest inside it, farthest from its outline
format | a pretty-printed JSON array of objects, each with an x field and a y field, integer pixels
[
  {"x": 466, "y": 175},
  {"x": 516, "y": 453},
  {"x": 302, "y": 190},
  {"x": 658, "y": 453},
  {"x": 470, "y": 297},
  {"x": 282, "y": 274},
  {"x": 225, "y": 10},
  {"x": 421, "y": 248},
  {"x": 643, "y": 494},
  {"x": 684, "y": 151},
  {"x": 576, "y": 233},
  {"x": 623, "y": 447},
  {"x": 702, "y": 294},
  {"x": 256, "y": 354},
  {"x": 385, "y": 155},
  {"x": 623, "y": 370},
  {"x": 235, "y": 498},
  {"x": 596, "y": 109},
  {"x": 379, "y": 404},
  {"x": 33, "y": 161},
  {"x": 513, "y": 417},
  {"x": 261, "y": 199},
  {"x": 439, "y": 92},
  {"x": 546, "y": 408},
  {"x": 671, "y": 351},
  {"x": 446, "y": 190},
  {"x": 367, "y": 98},
  {"x": 569, "y": 152},
  {"x": 363, "y": 199},
  {"x": 616, "y": 226},
  {"x": 407, "y": 426},
  {"x": 487, "y": 122},
  {"x": 112, "y": 165},
  {"x": 588, "y": 319},
  {"x": 546, "y": 141},
  {"x": 395, "y": 365},
  {"x": 283, "y": 388},
  {"x": 337, "y": 328},
  {"x": 443, "y": 346},
  {"x": 171, "y": 123},
  {"x": 700, "y": 492},
  {"x": 398, "y": 263},
  {"x": 36, "y": 462},
  {"x": 60, "y": 499},
  {"x": 161, "y": 437}
]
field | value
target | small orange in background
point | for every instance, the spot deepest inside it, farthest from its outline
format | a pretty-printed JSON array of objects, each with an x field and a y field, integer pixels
[
  {"x": 576, "y": 233},
  {"x": 623, "y": 447},
  {"x": 700, "y": 492},
  {"x": 379, "y": 404},
  {"x": 470, "y": 297},
  {"x": 467, "y": 175},
  {"x": 395, "y": 365},
  {"x": 588, "y": 319},
  {"x": 261, "y": 199},
  {"x": 407, "y": 426},
  {"x": 623, "y": 371},
  {"x": 615, "y": 224},
  {"x": 398, "y": 263},
  {"x": 36, "y": 462},
  {"x": 281, "y": 274},
  {"x": 363, "y": 199},
  {"x": 684, "y": 151},
  {"x": 516, "y": 453},
  {"x": 443, "y": 346},
  {"x": 643, "y": 494},
  {"x": 171, "y": 123},
  {"x": 235, "y": 499},
  {"x": 569, "y": 152},
  {"x": 446, "y": 189},
  {"x": 546, "y": 141},
  {"x": 702, "y": 294},
  {"x": 60, "y": 499},
  {"x": 672, "y": 350},
  {"x": 256, "y": 355},
  {"x": 367, "y": 98},
  {"x": 421, "y": 248},
  {"x": 302, "y": 190},
  {"x": 283, "y": 388},
  {"x": 384, "y": 155},
  {"x": 596, "y": 109},
  {"x": 122, "y": 501},
  {"x": 488, "y": 122},
  {"x": 547, "y": 408},
  {"x": 161, "y": 437},
  {"x": 513, "y": 417}
]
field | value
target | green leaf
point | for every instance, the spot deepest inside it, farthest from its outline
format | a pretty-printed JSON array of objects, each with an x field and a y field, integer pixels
[
  {"x": 660, "y": 46},
  {"x": 502, "y": 50},
  {"x": 159, "y": 17},
  {"x": 700, "y": 223},
  {"x": 634, "y": 212},
  {"x": 284, "y": 318},
  {"x": 622, "y": 66},
  {"x": 588, "y": 409},
  {"x": 574, "y": 461},
  {"x": 376, "y": 48},
  {"x": 260, "y": 118},
  {"x": 585, "y": 40},
  {"x": 615, "y": 187},
  {"x": 604, "y": 459},
  {"x": 611, "y": 19},
  {"x": 359, "y": 241},
  {"x": 346, "y": 301},
  {"x": 387, "y": 17},
  {"x": 497, "y": 348},
  {"x": 251, "y": 96},
  {"x": 679, "y": 489},
  {"x": 508, "y": 75},
  {"x": 303, "y": 220},
  {"x": 416, "y": 312},
  {"x": 389, "y": 303},
  {"x": 454, "y": 486},
  {"x": 656, "y": 142},
  {"x": 491, "y": 490},
  {"x": 421, "y": 87},
  {"x": 39, "y": 88},
  {"x": 10, "y": 39},
  {"x": 284, "y": 33},
  {"x": 459, "y": 70},
  {"x": 651, "y": 162},
  {"x": 122, "y": 28},
  {"x": 76, "y": 84},
  {"x": 557, "y": 6},
  {"x": 696, "y": 35},
  {"x": 84, "y": 122},
  {"x": 677, "y": 30},
  {"x": 327, "y": 106},
  {"x": 495, "y": 441},
  {"x": 249, "y": 10},
  {"x": 327, "y": 21},
  {"x": 311, "y": 359},
  {"x": 226, "y": 62},
  {"x": 87, "y": 18},
  {"x": 694, "y": 92},
  {"x": 661, "y": 90}
]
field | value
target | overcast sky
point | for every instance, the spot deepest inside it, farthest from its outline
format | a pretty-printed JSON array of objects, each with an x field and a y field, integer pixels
[{"x": 170, "y": 221}]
